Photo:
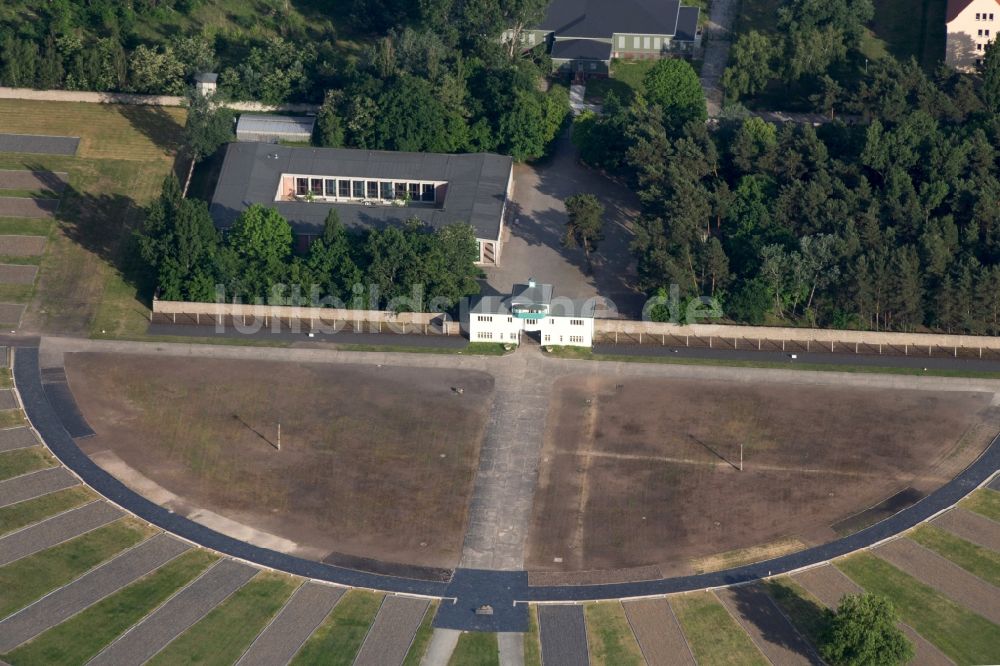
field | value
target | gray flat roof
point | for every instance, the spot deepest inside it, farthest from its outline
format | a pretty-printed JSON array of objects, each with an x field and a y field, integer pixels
[
  {"x": 271, "y": 124},
  {"x": 476, "y": 190},
  {"x": 531, "y": 294},
  {"x": 603, "y": 18},
  {"x": 573, "y": 49},
  {"x": 687, "y": 24}
]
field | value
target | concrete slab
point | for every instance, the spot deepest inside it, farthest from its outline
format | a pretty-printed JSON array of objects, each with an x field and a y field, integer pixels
[
  {"x": 658, "y": 632},
  {"x": 391, "y": 634},
  {"x": 53, "y": 181},
  {"x": 56, "y": 530},
  {"x": 17, "y": 438},
  {"x": 18, "y": 273},
  {"x": 37, "y": 144},
  {"x": 511, "y": 648},
  {"x": 441, "y": 647},
  {"x": 22, "y": 246},
  {"x": 970, "y": 526},
  {"x": 563, "y": 634},
  {"x": 88, "y": 589},
  {"x": 35, "y": 484},
  {"x": 771, "y": 631},
  {"x": 293, "y": 624},
  {"x": 171, "y": 619}
]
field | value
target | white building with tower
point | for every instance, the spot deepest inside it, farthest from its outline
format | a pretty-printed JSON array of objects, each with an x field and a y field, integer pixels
[{"x": 531, "y": 310}]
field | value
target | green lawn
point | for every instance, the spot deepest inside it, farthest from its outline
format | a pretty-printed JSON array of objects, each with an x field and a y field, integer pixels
[
  {"x": 712, "y": 633},
  {"x": 972, "y": 557},
  {"x": 16, "y": 293},
  {"x": 84, "y": 635},
  {"x": 610, "y": 637},
  {"x": 964, "y": 636},
  {"x": 336, "y": 642},
  {"x": 10, "y": 418},
  {"x": 20, "y": 226},
  {"x": 908, "y": 29},
  {"x": 476, "y": 648},
  {"x": 985, "y": 502},
  {"x": 25, "y": 513},
  {"x": 223, "y": 635},
  {"x": 21, "y": 461},
  {"x": 532, "y": 642},
  {"x": 422, "y": 637},
  {"x": 806, "y": 612},
  {"x": 27, "y": 579}
]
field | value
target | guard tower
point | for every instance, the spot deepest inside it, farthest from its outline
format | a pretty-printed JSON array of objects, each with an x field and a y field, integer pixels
[{"x": 206, "y": 83}]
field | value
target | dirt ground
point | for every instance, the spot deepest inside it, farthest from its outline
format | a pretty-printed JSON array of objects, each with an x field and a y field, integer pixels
[
  {"x": 375, "y": 462},
  {"x": 646, "y": 471}
]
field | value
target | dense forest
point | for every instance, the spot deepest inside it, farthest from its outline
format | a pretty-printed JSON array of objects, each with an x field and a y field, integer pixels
[
  {"x": 427, "y": 75},
  {"x": 359, "y": 269},
  {"x": 889, "y": 222}
]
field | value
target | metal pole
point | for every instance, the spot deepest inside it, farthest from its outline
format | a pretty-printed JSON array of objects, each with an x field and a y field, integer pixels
[
  {"x": 741, "y": 456},
  {"x": 279, "y": 435}
]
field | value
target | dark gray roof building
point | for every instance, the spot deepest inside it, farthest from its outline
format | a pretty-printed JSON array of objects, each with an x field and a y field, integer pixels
[
  {"x": 369, "y": 189},
  {"x": 594, "y": 19}
]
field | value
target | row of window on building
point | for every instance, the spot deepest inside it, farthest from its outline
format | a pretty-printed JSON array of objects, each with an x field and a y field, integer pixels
[
  {"x": 489, "y": 318},
  {"x": 488, "y": 335},
  {"x": 983, "y": 16},
  {"x": 342, "y": 188},
  {"x": 572, "y": 338},
  {"x": 646, "y": 43}
]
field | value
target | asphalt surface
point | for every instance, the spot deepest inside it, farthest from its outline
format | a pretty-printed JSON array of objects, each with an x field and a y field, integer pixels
[
  {"x": 62, "y": 401},
  {"x": 288, "y": 631},
  {"x": 342, "y": 338},
  {"x": 35, "y": 484},
  {"x": 471, "y": 588},
  {"x": 88, "y": 589},
  {"x": 176, "y": 615},
  {"x": 37, "y": 144},
  {"x": 16, "y": 438},
  {"x": 56, "y": 530},
  {"x": 563, "y": 634},
  {"x": 390, "y": 635}
]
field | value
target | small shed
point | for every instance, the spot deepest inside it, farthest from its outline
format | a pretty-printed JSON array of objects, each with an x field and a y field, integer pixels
[
  {"x": 272, "y": 129},
  {"x": 206, "y": 83}
]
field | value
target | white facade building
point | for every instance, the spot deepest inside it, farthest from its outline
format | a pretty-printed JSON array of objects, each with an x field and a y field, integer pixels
[
  {"x": 531, "y": 310},
  {"x": 972, "y": 25}
]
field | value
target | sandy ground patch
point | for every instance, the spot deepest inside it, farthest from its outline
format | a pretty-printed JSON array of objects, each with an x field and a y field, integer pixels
[
  {"x": 53, "y": 181},
  {"x": 22, "y": 246}
]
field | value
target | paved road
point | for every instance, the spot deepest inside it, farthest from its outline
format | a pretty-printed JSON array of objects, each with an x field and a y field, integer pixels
[
  {"x": 718, "y": 39},
  {"x": 498, "y": 588},
  {"x": 88, "y": 589},
  {"x": 294, "y": 624},
  {"x": 35, "y": 484},
  {"x": 56, "y": 530}
]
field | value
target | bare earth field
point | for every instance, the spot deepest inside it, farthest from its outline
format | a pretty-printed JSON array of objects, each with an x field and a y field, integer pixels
[
  {"x": 375, "y": 462},
  {"x": 637, "y": 472}
]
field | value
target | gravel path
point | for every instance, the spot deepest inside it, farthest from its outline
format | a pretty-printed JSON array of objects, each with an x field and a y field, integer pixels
[
  {"x": 944, "y": 576},
  {"x": 829, "y": 584},
  {"x": 7, "y": 399},
  {"x": 659, "y": 634},
  {"x": 55, "y": 530},
  {"x": 38, "y": 144},
  {"x": 35, "y": 484},
  {"x": 18, "y": 273},
  {"x": 17, "y": 438},
  {"x": 511, "y": 648},
  {"x": 768, "y": 628},
  {"x": 171, "y": 619},
  {"x": 288, "y": 631},
  {"x": 54, "y": 181},
  {"x": 440, "y": 648},
  {"x": 563, "y": 633},
  {"x": 392, "y": 632},
  {"x": 970, "y": 526},
  {"x": 88, "y": 589},
  {"x": 22, "y": 246},
  {"x": 28, "y": 207}
]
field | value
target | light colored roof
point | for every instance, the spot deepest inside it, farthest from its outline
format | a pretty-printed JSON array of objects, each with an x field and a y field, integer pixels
[{"x": 269, "y": 124}]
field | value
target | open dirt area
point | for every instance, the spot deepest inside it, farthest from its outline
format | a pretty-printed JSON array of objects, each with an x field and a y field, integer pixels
[
  {"x": 27, "y": 207},
  {"x": 639, "y": 472},
  {"x": 374, "y": 462},
  {"x": 51, "y": 181}
]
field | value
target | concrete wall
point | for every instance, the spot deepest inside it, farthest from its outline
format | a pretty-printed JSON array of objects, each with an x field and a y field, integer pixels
[
  {"x": 142, "y": 100},
  {"x": 704, "y": 331}
]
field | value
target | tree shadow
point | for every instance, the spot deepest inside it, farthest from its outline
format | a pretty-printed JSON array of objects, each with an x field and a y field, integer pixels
[
  {"x": 155, "y": 123},
  {"x": 759, "y": 609}
]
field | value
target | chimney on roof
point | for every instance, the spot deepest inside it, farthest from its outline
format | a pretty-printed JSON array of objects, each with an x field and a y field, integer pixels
[{"x": 531, "y": 283}]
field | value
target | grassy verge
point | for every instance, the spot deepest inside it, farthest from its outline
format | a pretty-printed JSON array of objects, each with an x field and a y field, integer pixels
[
  {"x": 10, "y": 418},
  {"x": 20, "y": 261},
  {"x": 16, "y": 293},
  {"x": 476, "y": 648},
  {"x": 964, "y": 636},
  {"x": 84, "y": 635},
  {"x": 27, "y": 579},
  {"x": 532, "y": 641},
  {"x": 972, "y": 557},
  {"x": 20, "y": 226},
  {"x": 422, "y": 638},
  {"x": 713, "y": 634},
  {"x": 336, "y": 642},
  {"x": 985, "y": 502},
  {"x": 225, "y": 633},
  {"x": 806, "y": 612},
  {"x": 25, "y": 513},
  {"x": 610, "y": 637},
  {"x": 583, "y": 354},
  {"x": 21, "y": 461},
  {"x": 6, "y": 381}
]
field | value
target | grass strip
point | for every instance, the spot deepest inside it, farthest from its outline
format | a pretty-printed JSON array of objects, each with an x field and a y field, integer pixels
[
  {"x": 222, "y": 636},
  {"x": 713, "y": 634},
  {"x": 610, "y": 636},
  {"x": 532, "y": 640},
  {"x": 809, "y": 616},
  {"x": 21, "y": 461},
  {"x": 21, "y": 226},
  {"x": 6, "y": 381},
  {"x": 964, "y": 636},
  {"x": 972, "y": 557},
  {"x": 81, "y": 637},
  {"x": 16, "y": 293},
  {"x": 422, "y": 638},
  {"x": 985, "y": 502},
  {"x": 25, "y": 513},
  {"x": 10, "y": 418},
  {"x": 336, "y": 642},
  {"x": 476, "y": 648},
  {"x": 29, "y": 578}
]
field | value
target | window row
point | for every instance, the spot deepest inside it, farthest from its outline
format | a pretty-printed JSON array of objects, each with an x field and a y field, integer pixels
[
  {"x": 984, "y": 16},
  {"x": 646, "y": 43},
  {"x": 364, "y": 189},
  {"x": 984, "y": 33}
]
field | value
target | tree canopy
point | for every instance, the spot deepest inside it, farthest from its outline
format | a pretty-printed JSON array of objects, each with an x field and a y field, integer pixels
[{"x": 864, "y": 632}]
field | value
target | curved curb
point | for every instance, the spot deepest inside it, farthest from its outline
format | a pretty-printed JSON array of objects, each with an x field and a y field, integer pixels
[{"x": 507, "y": 587}]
